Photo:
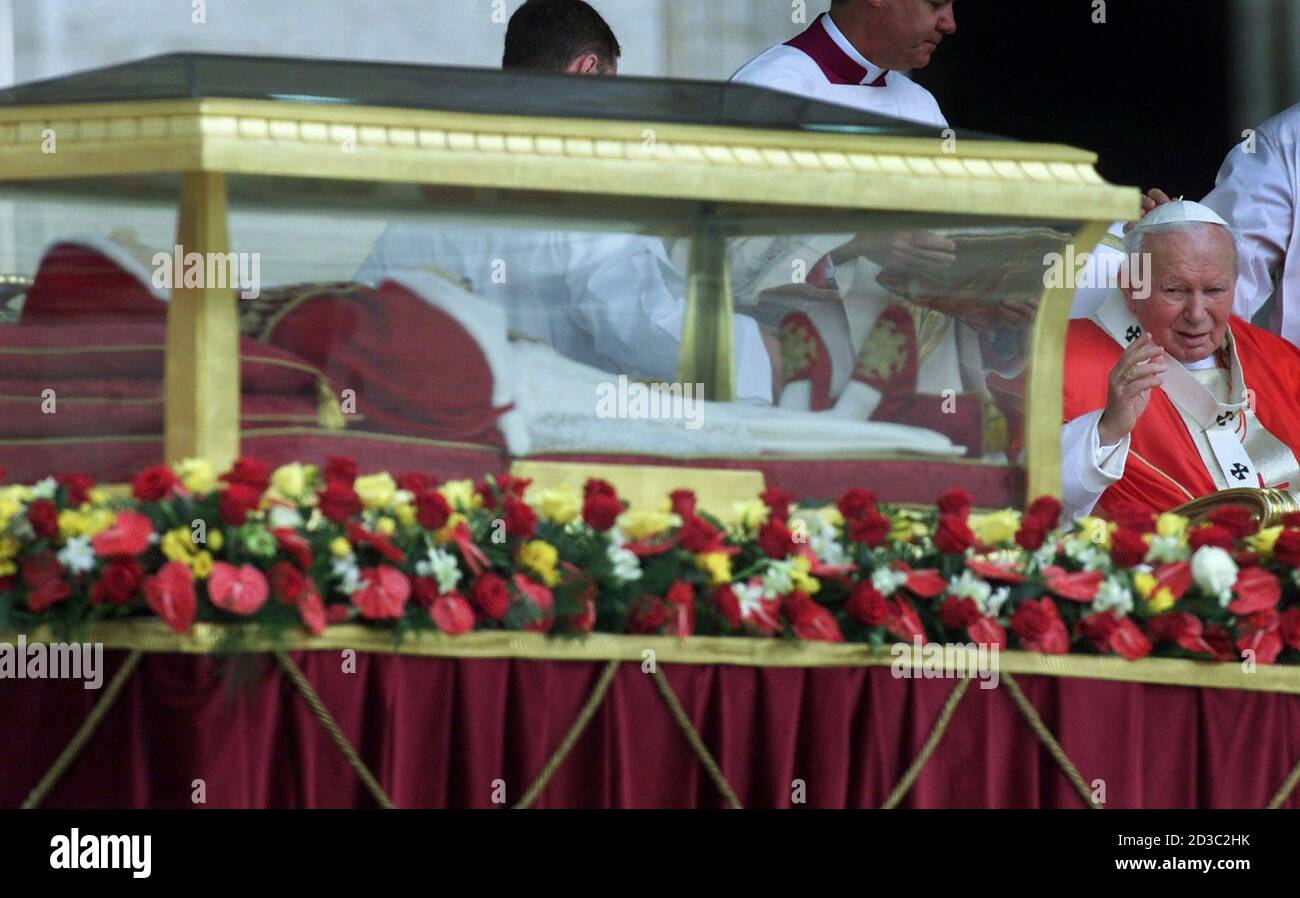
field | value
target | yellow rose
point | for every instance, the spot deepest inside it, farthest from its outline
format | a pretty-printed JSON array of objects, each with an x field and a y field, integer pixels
[
  {"x": 800, "y": 579},
  {"x": 99, "y": 496},
  {"x": 995, "y": 528},
  {"x": 1095, "y": 531},
  {"x": 202, "y": 565},
  {"x": 558, "y": 504},
  {"x": 645, "y": 524},
  {"x": 178, "y": 545},
  {"x": 751, "y": 515},
  {"x": 1157, "y": 600},
  {"x": 340, "y": 547},
  {"x": 1170, "y": 524},
  {"x": 405, "y": 515},
  {"x": 387, "y": 526},
  {"x": 216, "y": 540},
  {"x": 290, "y": 480},
  {"x": 376, "y": 490},
  {"x": 831, "y": 515},
  {"x": 1262, "y": 542},
  {"x": 196, "y": 474},
  {"x": 461, "y": 495},
  {"x": 541, "y": 557},
  {"x": 9, "y": 546},
  {"x": 717, "y": 565}
]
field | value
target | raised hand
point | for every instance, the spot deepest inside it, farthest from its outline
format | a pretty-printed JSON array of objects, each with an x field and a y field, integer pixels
[{"x": 1139, "y": 370}]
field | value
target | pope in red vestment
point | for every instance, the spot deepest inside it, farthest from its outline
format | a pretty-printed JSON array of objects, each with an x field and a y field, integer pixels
[{"x": 1169, "y": 397}]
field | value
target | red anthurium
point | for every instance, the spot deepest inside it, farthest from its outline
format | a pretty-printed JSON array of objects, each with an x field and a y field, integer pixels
[
  {"x": 360, "y": 536},
  {"x": 1256, "y": 590},
  {"x": 383, "y": 593},
  {"x": 541, "y": 599},
  {"x": 925, "y": 584},
  {"x": 128, "y": 535},
  {"x": 1174, "y": 577},
  {"x": 1261, "y": 633},
  {"x": 1182, "y": 629},
  {"x": 902, "y": 620},
  {"x": 996, "y": 573},
  {"x": 311, "y": 611},
  {"x": 1080, "y": 587},
  {"x": 475, "y": 560},
  {"x": 294, "y": 546},
  {"x": 239, "y": 590},
  {"x": 452, "y": 614},
  {"x": 987, "y": 631},
  {"x": 170, "y": 595}
]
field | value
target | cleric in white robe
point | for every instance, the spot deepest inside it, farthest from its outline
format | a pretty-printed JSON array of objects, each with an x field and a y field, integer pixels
[{"x": 1255, "y": 191}]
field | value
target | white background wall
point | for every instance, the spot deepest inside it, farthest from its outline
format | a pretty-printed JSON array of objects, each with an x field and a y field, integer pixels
[{"x": 681, "y": 38}]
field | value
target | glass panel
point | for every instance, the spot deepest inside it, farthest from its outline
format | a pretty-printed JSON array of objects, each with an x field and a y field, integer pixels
[{"x": 471, "y": 90}]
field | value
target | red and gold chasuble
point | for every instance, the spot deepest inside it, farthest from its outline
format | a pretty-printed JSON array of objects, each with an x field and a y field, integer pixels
[{"x": 1167, "y": 465}]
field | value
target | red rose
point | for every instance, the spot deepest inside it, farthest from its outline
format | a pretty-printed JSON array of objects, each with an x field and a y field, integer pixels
[
  {"x": 250, "y": 472},
  {"x": 680, "y": 600},
  {"x": 775, "y": 539},
  {"x": 808, "y": 620},
  {"x": 594, "y": 487},
  {"x": 1289, "y": 626},
  {"x": 540, "y": 598},
  {"x": 339, "y": 501},
  {"x": 45, "y": 584},
  {"x": 777, "y": 502},
  {"x": 1127, "y": 547},
  {"x": 959, "y": 613},
  {"x": 867, "y": 605},
  {"x": 340, "y": 468},
  {"x": 239, "y": 590},
  {"x": 1046, "y": 510},
  {"x": 294, "y": 546},
  {"x": 600, "y": 511},
  {"x": 953, "y": 536},
  {"x": 956, "y": 502},
  {"x": 128, "y": 535},
  {"x": 1236, "y": 520},
  {"x": 1287, "y": 548},
  {"x": 870, "y": 529},
  {"x": 425, "y": 591},
  {"x": 856, "y": 503},
  {"x": 521, "y": 520},
  {"x": 452, "y": 614},
  {"x": 383, "y": 593},
  {"x": 724, "y": 599},
  {"x": 43, "y": 515},
  {"x": 490, "y": 595},
  {"x": 683, "y": 502},
  {"x": 153, "y": 483},
  {"x": 1134, "y": 517},
  {"x": 432, "y": 510},
  {"x": 1210, "y": 535},
  {"x": 1032, "y": 533},
  {"x": 77, "y": 486},
  {"x": 311, "y": 611},
  {"x": 287, "y": 582},
  {"x": 170, "y": 595},
  {"x": 1037, "y": 624},
  {"x": 415, "y": 483},
  {"x": 119, "y": 582},
  {"x": 647, "y": 616},
  {"x": 236, "y": 501},
  {"x": 698, "y": 535}
]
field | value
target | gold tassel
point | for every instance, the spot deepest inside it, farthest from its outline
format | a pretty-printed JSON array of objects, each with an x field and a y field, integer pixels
[{"x": 328, "y": 413}]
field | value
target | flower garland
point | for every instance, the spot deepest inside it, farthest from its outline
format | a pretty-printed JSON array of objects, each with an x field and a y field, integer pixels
[{"x": 307, "y": 546}]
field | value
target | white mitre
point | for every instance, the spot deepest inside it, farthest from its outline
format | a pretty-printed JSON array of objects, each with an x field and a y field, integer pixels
[{"x": 1178, "y": 211}]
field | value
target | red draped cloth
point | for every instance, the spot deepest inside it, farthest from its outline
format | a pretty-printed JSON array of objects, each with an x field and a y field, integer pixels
[{"x": 437, "y": 732}]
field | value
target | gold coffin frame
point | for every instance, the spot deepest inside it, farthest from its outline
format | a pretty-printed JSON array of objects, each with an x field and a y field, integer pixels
[{"x": 726, "y": 172}]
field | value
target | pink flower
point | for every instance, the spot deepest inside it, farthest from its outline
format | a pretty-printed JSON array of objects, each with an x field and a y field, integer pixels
[{"x": 239, "y": 590}]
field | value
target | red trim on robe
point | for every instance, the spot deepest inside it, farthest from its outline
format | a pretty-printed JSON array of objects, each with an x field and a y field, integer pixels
[
  {"x": 838, "y": 67},
  {"x": 1270, "y": 366}
]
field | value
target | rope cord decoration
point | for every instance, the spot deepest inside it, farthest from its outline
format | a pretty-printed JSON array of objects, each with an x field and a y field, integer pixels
[
  {"x": 940, "y": 727},
  {"x": 1053, "y": 747},
  {"x": 697, "y": 744}
]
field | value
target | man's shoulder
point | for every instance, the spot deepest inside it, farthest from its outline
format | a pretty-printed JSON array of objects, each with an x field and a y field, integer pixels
[
  {"x": 1261, "y": 341},
  {"x": 1085, "y": 339},
  {"x": 778, "y": 66},
  {"x": 1285, "y": 126}
]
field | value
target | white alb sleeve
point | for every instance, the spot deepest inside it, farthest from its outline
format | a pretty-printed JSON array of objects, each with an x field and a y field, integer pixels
[{"x": 1087, "y": 467}]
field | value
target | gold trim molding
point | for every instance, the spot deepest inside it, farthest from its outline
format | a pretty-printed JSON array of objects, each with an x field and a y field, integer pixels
[{"x": 153, "y": 636}]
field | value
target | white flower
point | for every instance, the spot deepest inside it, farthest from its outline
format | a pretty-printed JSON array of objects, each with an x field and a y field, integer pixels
[
  {"x": 886, "y": 582},
  {"x": 993, "y": 606},
  {"x": 442, "y": 566},
  {"x": 1214, "y": 571},
  {"x": 349, "y": 575},
  {"x": 1166, "y": 550},
  {"x": 749, "y": 596},
  {"x": 45, "y": 489},
  {"x": 1113, "y": 595},
  {"x": 77, "y": 556},
  {"x": 627, "y": 567},
  {"x": 776, "y": 579},
  {"x": 968, "y": 586},
  {"x": 283, "y": 516}
]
